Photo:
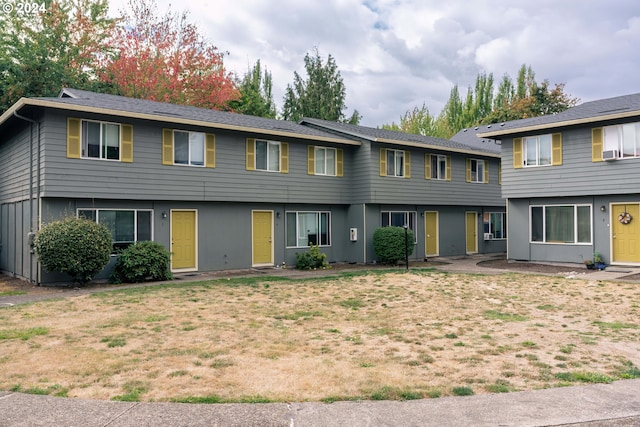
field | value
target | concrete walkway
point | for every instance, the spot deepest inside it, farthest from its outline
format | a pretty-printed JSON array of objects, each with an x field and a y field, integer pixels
[{"x": 599, "y": 405}]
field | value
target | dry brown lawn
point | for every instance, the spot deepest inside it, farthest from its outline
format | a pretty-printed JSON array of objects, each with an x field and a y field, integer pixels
[{"x": 369, "y": 335}]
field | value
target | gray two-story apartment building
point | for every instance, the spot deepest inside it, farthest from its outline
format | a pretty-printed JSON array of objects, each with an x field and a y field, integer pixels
[
  {"x": 227, "y": 191},
  {"x": 571, "y": 184}
]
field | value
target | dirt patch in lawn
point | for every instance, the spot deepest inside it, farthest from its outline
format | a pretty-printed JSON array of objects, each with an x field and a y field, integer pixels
[{"x": 362, "y": 335}]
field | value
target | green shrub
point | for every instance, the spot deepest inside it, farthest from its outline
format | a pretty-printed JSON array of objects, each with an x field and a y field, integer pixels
[
  {"x": 389, "y": 244},
  {"x": 312, "y": 259},
  {"x": 76, "y": 246},
  {"x": 141, "y": 261}
]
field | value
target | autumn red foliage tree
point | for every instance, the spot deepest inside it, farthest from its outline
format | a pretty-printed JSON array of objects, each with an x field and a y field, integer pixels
[{"x": 165, "y": 58}]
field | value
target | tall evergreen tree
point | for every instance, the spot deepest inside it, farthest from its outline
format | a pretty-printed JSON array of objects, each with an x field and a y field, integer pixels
[
  {"x": 321, "y": 95},
  {"x": 256, "y": 94}
]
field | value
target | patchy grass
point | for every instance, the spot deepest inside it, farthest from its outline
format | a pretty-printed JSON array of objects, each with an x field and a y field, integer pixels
[{"x": 373, "y": 335}]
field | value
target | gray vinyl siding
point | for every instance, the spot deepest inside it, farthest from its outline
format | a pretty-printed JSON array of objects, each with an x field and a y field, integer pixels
[
  {"x": 418, "y": 190},
  {"x": 148, "y": 179},
  {"x": 14, "y": 163},
  {"x": 577, "y": 175}
]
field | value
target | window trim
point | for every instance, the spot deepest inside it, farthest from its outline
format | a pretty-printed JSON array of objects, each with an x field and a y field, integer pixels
[
  {"x": 488, "y": 224},
  {"x": 135, "y": 224},
  {"x": 83, "y": 155},
  {"x": 204, "y": 148},
  {"x": 485, "y": 171},
  {"x": 620, "y": 143},
  {"x": 408, "y": 214},
  {"x": 297, "y": 224},
  {"x": 317, "y": 148},
  {"x": 575, "y": 224}
]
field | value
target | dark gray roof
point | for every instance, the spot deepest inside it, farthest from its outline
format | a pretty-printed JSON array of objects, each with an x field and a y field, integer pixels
[
  {"x": 176, "y": 112},
  {"x": 588, "y": 112},
  {"x": 469, "y": 137},
  {"x": 401, "y": 138}
]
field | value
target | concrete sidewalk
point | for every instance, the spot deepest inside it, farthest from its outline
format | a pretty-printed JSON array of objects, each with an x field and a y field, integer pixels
[{"x": 616, "y": 404}]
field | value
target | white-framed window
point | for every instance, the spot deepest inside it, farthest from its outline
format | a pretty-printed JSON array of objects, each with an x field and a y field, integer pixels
[
  {"x": 400, "y": 219},
  {"x": 537, "y": 150},
  {"x": 188, "y": 148},
  {"x": 624, "y": 138},
  {"x": 567, "y": 224},
  {"x": 308, "y": 228},
  {"x": 495, "y": 224},
  {"x": 100, "y": 140},
  {"x": 325, "y": 160},
  {"x": 127, "y": 226},
  {"x": 438, "y": 166},
  {"x": 395, "y": 163},
  {"x": 476, "y": 170},
  {"x": 267, "y": 155}
]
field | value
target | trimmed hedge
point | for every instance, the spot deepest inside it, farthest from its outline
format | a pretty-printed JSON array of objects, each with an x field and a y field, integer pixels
[
  {"x": 76, "y": 246},
  {"x": 389, "y": 244},
  {"x": 142, "y": 261}
]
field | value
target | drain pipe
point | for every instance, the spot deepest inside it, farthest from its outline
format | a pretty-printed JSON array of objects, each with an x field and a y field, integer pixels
[{"x": 31, "y": 216}]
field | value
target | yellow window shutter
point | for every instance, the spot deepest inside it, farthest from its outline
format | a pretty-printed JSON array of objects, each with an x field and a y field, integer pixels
[
  {"x": 383, "y": 162},
  {"x": 517, "y": 153},
  {"x": 167, "y": 147},
  {"x": 126, "y": 143},
  {"x": 556, "y": 149},
  {"x": 500, "y": 174},
  {"x": 407, "y": 164},
  {"x": 210, "y": 151},
  {"x": 597, "y": 137},
  {"x": 311, "y": 160},
  {"x": 468, "y": 169},
  {"x": 339, "y": 162},
  {"x": 486, "y": 171},
  {"x": 448, "y": 168},
  {"x": 284, "y": 157},
  {"x": 251, "y": 154},
  {"x": 73, "y": 138},
  {"x": 427, "y": 166}
]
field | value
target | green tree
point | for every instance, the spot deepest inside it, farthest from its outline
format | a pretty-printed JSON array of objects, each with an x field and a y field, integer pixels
[
  {"x": 321, "y": 96},
  {"x": 419, "y": 121},
  {"x": 60, "y": 45},
  {"x": 256, "y": 96}
]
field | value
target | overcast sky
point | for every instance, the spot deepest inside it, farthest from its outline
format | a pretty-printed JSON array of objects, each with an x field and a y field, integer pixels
[{"x": 397, "y": 54}]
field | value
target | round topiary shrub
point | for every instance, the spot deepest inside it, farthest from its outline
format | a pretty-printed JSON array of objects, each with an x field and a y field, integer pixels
[
  {"x": 142, "y": 261},
  {"x": 76, "y": 246},
  {"x": 389, "y": 244}
]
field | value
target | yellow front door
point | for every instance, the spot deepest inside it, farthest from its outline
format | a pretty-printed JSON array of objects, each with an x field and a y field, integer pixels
[
  {"x": 472, "y": 232},
  {"x": 625, "y": 238},
  {"x": 262, "y": 245},
  {"x": 183, "y": 240},
  {"x": 431, "y": 234}
]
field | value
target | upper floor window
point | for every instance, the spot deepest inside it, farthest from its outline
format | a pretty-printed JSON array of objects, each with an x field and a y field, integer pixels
[
  {"x": 100, "y": 140},
  {"x": 538, "y": 150},
  {"x": 477, "y": 170},
  {"x": 395, "y": 163},
  {"x": 308, "y": 228},
  {"x": 400, "y": 219},
  {"x": 561, "y": 224},
  {"x": 622, "y": 141},
  {"x": 325, "y": 161},
  {"x": 91, "y": 139},
  {"x": 181, "y": 147},
  {"x": 437, "y": 166},
  {"x": 271, "y": 156},
  {"x": 126, "y": 226},
  {"x": 495, "y": 225}
]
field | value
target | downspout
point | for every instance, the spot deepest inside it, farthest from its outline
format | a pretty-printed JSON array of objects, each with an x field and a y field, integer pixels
[
  {"x": 364, "y": 231},
  {"x": 31, "y": 216}
]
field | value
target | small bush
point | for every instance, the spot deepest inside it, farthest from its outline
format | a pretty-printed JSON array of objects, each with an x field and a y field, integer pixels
[
  {"x": 389, "y": 244},
  {"x": 76, "y": 246},
  {"x": 142, "y": 261},
  {"x": 312, "y": 259}
]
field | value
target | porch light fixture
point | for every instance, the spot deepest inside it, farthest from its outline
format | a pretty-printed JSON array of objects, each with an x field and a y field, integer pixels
[
  {"x": 603, "y": 208},
  {"x": 277, "y": 214},
  {"x": 164, "y": 214}
]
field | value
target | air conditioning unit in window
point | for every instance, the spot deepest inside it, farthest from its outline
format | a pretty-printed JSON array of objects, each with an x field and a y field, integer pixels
[
  {"x": 610, "y": 155},
  {"x": 488, "y": 236}
]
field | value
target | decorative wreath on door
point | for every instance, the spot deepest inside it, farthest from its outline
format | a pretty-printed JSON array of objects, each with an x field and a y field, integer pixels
[{"x": 625, "y": 218}]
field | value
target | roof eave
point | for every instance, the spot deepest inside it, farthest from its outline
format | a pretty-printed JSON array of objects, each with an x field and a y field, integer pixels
[
  {"x": 153, "y": 117},
  {"x": 559, "y": 124},
  {"x": 438, "y": 147}
]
